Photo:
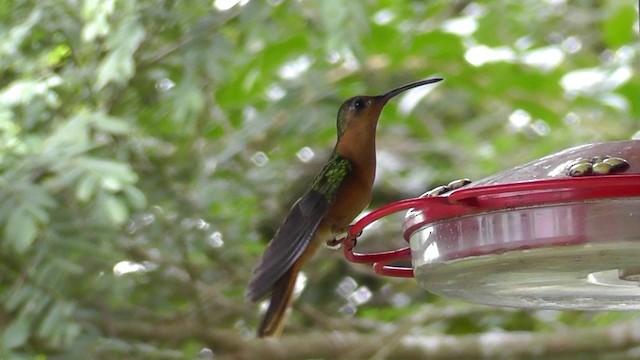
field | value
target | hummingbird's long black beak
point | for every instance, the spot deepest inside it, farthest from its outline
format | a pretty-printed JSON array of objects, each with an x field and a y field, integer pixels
[{"x": 401, "y": 89}]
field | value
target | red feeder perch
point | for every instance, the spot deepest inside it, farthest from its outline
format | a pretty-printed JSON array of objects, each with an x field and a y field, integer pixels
[{"x": 561, "y": 232}]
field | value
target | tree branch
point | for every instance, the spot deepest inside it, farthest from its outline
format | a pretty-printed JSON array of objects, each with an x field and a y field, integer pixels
[
  {"x": 348, "y": 345},
  {"x": 613, "y": 339}
]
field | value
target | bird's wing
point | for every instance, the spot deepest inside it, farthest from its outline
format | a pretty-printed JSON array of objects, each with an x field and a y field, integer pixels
[{"x": 297, "y": 230}]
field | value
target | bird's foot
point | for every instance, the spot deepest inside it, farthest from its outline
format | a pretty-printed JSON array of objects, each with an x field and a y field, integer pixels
[
  {"x": 347, "y": 240},
  {"x": 335, "y": 243}
]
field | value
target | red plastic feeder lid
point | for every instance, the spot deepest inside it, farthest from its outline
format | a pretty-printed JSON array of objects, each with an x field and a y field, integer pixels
[{"x": 561, "y": 232}]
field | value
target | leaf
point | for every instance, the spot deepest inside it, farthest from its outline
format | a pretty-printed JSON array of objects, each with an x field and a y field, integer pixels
[
  {"x": 86, "y": 187},
  {"x": 7, "y": 206},
  {"x": 111, "y": 183},
  {"x": 57, "y": 55},
  {"x": 109, "y": 124},
  {"x": 113, "y": 175},
  {"x": 72, "y": 131},
  {"x": 55, "y": 317},
  {"x": 136, "y": 198},
  {"x": 495, "y": 29},
  {"x": 20, "y": 230},
  {"x": 438, "y": 45},
  {"x": 618, "y": 28},
  {"x": 119, "y": 65},
  {"x": 95, "y": 14},
  {"x": 115, "y": 209},
  {"x": 19, "y": 32},
  {"x": 17, "y": 333},
  {"x": 38, "y": 212},
  {"x": 18, "y": 296},
  {"x": 24, "y": 91},
  {"x": 37, "y": 201}
]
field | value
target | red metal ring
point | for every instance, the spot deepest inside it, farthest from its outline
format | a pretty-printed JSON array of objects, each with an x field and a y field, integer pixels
[{"x": 382, "y": 259}]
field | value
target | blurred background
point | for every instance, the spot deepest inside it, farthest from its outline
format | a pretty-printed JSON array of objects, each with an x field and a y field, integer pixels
[{"x": 149, "y": 150}]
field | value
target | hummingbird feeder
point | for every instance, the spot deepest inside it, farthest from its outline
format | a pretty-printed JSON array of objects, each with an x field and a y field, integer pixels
[{"x": 560, "y": 232}]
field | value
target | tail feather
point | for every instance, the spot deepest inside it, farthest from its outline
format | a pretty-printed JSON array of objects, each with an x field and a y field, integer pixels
[{"x": 281, "y": 297}]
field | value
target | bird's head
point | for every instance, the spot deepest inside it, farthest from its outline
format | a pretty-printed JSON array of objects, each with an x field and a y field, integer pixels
[{"x": 362, "y": 112}]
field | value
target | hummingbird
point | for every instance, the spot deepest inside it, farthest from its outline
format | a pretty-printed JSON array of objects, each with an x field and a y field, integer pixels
[{"x": 336, "y": 196}]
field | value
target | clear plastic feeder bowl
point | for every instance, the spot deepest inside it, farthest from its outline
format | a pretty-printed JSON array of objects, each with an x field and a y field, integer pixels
[{"x": 561, "y": 232}]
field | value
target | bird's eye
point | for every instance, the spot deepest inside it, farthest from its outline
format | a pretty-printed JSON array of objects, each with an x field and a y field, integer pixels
[{"x": 359, "y": 104}]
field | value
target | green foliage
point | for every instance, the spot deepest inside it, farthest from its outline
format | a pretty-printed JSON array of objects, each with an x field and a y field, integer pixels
[{"x": 148, "y": 149}]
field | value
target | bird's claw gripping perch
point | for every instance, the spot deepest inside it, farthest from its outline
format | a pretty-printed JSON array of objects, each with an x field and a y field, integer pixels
[
  {"x": 335, "y": 243},
  {"x": 349, "y": 240}
]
